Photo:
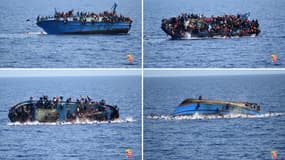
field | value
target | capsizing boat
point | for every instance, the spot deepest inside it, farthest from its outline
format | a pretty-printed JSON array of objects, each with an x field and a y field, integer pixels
[
  {"x": 59, "y": 110},
  {"x": 215, "y": 107},
  {"x": 194, "y": 26}
]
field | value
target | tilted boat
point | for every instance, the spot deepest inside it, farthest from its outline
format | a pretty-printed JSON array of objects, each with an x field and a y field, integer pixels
[
  {"x": 44, "y": 110},
  {"x": 192, "y": 26},
  {"x": 108, "y": 22},
  {"x": 215, "y": 107}
]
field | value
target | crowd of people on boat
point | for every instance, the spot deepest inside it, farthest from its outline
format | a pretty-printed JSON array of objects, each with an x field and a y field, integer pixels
[
  {"x": 202, "y": 26},
  {"x": 84, "y": 108},
  {"x": 84, "y": 17},
  {"x": 46, "y": 103}
]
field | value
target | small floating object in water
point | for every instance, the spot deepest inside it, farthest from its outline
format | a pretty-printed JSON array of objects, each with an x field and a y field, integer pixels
[
  {"x": 128, "y": 153},
  {"x": 215, "y": 107},
  {"x": 130, "y": 58},
  {"x": 274, "y": 58},
  {"x": 274, "y": 155},
  {"x": 59, "y": 110}
]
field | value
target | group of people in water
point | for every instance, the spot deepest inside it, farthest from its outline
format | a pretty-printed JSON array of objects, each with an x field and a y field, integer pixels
[
  {"x": 202, "y": 26},
  {"x": 81, "y": 108},
  {"x": 84, "y": 17}
]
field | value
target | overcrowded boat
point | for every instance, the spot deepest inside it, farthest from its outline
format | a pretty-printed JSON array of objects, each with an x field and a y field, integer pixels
[
  {"x": 59, "y": 110},
  {"x": 108, "y": 22},
  {"x": 188, "y": 26},
  {"x": 215, "y": 107}
]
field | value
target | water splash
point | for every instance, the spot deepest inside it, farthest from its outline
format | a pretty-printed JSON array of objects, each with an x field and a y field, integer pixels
[
  {"x": 199, "y": 116},
  {"x": 76, "y": 122},
  {"x": 188, "y": 36},
  {"x": 36, "y": 33},
  {"x": 20, "y": 35}
]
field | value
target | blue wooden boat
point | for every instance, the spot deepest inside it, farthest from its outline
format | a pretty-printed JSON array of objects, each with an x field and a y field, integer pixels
[
  {"x": 108, "y": 22},
  {"x": 215, "y": 107},
  {"x": 44, "y": 110}
]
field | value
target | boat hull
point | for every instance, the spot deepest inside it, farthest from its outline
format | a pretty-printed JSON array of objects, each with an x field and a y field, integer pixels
[
  {"x": 77, "y": 27},
  {"x": 201, "y": 35},
  {"x": 215, "y": 108},
  {"x": 62, "y": 112}
]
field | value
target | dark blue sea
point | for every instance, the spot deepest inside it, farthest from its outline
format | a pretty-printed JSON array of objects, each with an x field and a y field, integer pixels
[
  {"x": 23, "y": 45},
  {"x": 246, "y": 52},
  {"x": 214, "y": 138},
  {"x": 72, "y": 141}
]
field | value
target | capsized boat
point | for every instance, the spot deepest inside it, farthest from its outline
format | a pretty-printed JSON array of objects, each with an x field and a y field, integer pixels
[
  {"x": 193, "y": 26},
  {"x": 215, "y": 107},
  {"x": 59, "y": 110},
  {"x": 108, "y": 22}
]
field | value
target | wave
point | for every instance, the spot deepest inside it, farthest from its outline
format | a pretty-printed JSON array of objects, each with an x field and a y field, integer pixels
[
  {"x": 35, "y": 33},
  {"x": 189, "y": 37},
  {"x": 199, "y": 116},
  {"x": 20, "y": 35},
  {"x": 76, "y": 122}
]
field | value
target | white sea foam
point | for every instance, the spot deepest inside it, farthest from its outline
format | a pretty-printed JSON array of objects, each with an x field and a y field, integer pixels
[
  {"x": 36, "y": 33},
  {"x": 199, "y": 116},
  {"x": 188, "y": 36},
  {"x": 20, "y": 35},
  {"x": 76, "y": 122}
]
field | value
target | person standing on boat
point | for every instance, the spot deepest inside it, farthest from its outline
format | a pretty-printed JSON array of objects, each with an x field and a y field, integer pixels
[
  {"x": 200, "y": 97},
  {"x": 198, "y": 104},
  {"x": 89, "y": 99},
  {"x": 32, "y": 108},
  {"x": 102, "y": 102}
]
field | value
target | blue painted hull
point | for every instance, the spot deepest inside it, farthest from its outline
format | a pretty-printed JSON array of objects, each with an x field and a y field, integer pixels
[
  {"x": 77, "y": 27},
  {"x": 217, "y": 109}
]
